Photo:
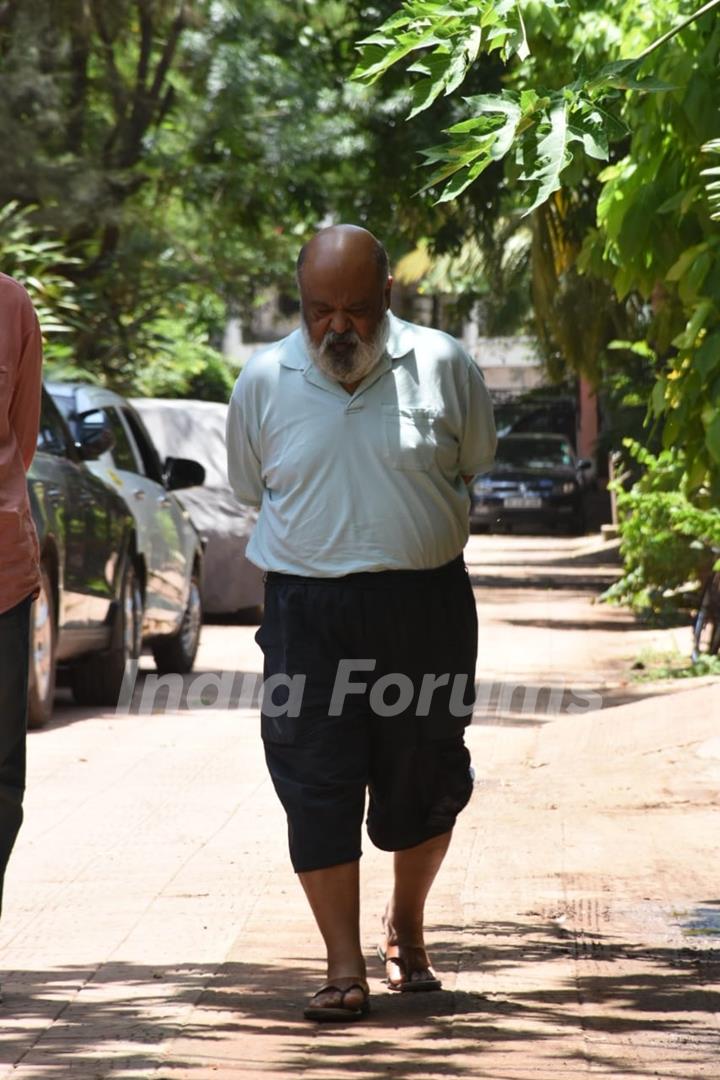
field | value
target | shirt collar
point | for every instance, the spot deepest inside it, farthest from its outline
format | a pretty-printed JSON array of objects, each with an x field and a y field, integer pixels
[
  {"x": 400, "y": 339},
  {"x": 293, "y": 355},
  {"x": 399, "y": 343}
]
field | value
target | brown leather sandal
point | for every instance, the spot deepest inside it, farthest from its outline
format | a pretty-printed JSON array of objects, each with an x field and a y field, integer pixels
[
  {"x": 408, "y": 985},
  {"x": 339, "y": 1012}
]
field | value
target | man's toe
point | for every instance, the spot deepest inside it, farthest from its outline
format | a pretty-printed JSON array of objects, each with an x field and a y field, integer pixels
[
  {"x": 395, "y": 975},
  {"x": 341, "y": 997},
  {"x": 352, "y": 999},
  {"x": 409, "y": 964}
]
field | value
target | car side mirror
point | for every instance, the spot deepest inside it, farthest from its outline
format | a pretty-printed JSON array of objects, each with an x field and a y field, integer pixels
[
  {"x": 95, "y": 442},
  {"x": 183, "y": 473},
  {"x": 584, "y": 464}
]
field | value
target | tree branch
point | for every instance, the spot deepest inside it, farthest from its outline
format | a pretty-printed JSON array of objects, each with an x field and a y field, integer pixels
[
  {"x": 178, "y": 25},
  {"x": 77, "y": 100},
  {"x": 681, "y": 26},
  {"x": 151, "y": 104},
  {"x": 117, "y": 86},
  {"x": 146, "y": 33}
]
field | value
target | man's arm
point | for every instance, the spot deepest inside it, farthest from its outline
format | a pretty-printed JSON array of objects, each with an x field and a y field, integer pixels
[
  {"x": 243, "y": 452},
  {"x": 25, "y": 404},
  {"x": 479, "y": 440}
]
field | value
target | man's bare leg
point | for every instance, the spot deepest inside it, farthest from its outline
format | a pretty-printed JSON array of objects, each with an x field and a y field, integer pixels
[
  {"x": 334, "y": 896},
  {"x": 415, "y": 871}
]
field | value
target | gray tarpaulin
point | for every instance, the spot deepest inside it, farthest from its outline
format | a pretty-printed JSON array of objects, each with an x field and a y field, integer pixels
[{"x": 196, "y": 429}]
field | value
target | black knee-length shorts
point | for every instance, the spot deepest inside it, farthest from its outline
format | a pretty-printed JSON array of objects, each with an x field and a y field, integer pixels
[{"x": 368, "y": 687}]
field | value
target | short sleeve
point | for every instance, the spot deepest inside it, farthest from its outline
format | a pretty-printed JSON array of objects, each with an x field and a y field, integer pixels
[
  {"x": 244, "y": 467},
  {"x": 478, "y": 442},
  {"x": 25, "y": 404}
]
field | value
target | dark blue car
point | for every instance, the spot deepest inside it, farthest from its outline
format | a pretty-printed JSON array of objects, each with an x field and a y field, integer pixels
[{"x": 536, "y": 481}]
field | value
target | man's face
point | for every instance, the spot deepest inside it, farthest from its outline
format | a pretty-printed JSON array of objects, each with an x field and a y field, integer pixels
[{"x": 344, "y": 319}]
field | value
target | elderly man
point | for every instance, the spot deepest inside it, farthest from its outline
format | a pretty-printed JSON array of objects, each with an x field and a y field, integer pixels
[
  {"x": 356, "y": 436},
  {"x": 20, "y": 388}
]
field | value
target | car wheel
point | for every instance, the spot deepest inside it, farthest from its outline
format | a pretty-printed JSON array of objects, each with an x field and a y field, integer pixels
[
  {"x": 98, "y": 679},
  {"x": 176, "y": 653},
  {"x": 41, "y": 669}
]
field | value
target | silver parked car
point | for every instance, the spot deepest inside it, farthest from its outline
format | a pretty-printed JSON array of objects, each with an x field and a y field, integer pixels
[
  {"x": 168, "y": 556},
  {"x": 230, "y": 583}
]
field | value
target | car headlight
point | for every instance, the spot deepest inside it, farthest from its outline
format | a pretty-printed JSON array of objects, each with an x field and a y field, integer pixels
[{"x": 568, "y": 487}]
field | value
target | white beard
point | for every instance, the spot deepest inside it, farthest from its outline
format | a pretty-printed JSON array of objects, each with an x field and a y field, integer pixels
[{"x": 352, "y": 363}]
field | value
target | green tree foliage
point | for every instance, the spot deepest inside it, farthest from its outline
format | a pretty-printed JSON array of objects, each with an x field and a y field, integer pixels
[
  {"x": 605, "y": 125},
  {"x": 539, "y": 129},
  {"x": 89, "y": 94},
  {"x": 178, "y": 153},
  {"x": 656, "y": 238},
  {"x": 668, "y": 541},
  {"x": 32, "y": 258}
]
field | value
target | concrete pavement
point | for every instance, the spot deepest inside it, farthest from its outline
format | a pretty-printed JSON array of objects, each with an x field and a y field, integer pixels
[{"x": 153, "y": 928}]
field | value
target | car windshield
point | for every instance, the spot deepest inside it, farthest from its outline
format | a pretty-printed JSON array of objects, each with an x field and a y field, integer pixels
[
  {"x": 532, "y": 453},
  {"x": 65, "y": 404}
]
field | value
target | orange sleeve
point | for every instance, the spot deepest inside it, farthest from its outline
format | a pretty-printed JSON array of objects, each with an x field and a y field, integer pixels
[{"x": 25, "y": 404}]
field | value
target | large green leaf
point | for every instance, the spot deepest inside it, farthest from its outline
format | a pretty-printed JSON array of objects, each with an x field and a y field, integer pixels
[
  {"x": 450, "y": 38},
  {"x": 445, "y": 70},
  {"x": 657, "y": 398},
  {"x": 712, "y": 187},
  {"x": 475, "y": 143},
  {"x": 457, "y": 31},
  {"x": 681, "y": 266},
  {"x": 594, "y": 141},
  {"x": 707, "y": 358},
  {"x": 623, "y": 75},
  {"x": 381, "y": 52},
  {"x": 712, "y": 437},
  {"x": 699, "y": 318},
  {"x": 552, "y": 155},
  {"x": 494, "y": 107},
  {"x": 436, "y": 68}
]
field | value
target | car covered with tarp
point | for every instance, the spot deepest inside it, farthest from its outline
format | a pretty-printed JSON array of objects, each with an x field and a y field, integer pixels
[{"x": 188, "y": 428}]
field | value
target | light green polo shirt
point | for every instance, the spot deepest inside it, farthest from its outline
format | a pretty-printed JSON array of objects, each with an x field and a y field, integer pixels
[{"x": 364, "y": 481}]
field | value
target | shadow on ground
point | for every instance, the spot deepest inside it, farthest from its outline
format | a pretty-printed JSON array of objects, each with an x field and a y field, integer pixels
[
  {"x": 540, "y": 580},
  {"x": 605, "y": 994},
  {"x": 251, "y": 616},
  {"x": 583, "y": 571}
]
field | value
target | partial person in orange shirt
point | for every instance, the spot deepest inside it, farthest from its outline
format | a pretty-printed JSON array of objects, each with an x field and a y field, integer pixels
[{"x": 20, "y": 394}]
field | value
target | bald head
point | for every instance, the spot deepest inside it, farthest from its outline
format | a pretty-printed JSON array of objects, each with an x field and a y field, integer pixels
[
  {"x": 344, "y": 297},
  {"x": 345, "y": 246}
]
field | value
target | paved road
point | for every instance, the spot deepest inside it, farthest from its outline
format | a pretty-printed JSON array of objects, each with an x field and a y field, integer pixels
[{"x": 154, "y": 929}]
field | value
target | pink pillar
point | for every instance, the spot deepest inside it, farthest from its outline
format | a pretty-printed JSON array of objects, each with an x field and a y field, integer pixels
[{"x": 587, "y": 419}]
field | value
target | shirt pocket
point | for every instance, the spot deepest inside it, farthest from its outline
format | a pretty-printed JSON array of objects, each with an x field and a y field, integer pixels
[{"x": 410, "y": 440}]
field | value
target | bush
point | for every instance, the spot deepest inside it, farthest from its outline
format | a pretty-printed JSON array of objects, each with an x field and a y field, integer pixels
[
  {"x": 184, "y": 366},
  {"x": 31, "y": 255},
  {"x": 667, "y": 539}
]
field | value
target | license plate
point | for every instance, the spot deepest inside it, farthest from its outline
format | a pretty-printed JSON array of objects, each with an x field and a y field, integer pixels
[{"x": 523, "y": 502}]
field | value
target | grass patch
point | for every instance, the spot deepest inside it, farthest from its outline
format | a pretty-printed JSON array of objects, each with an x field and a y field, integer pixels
[{"x": 654, "y": 664}]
